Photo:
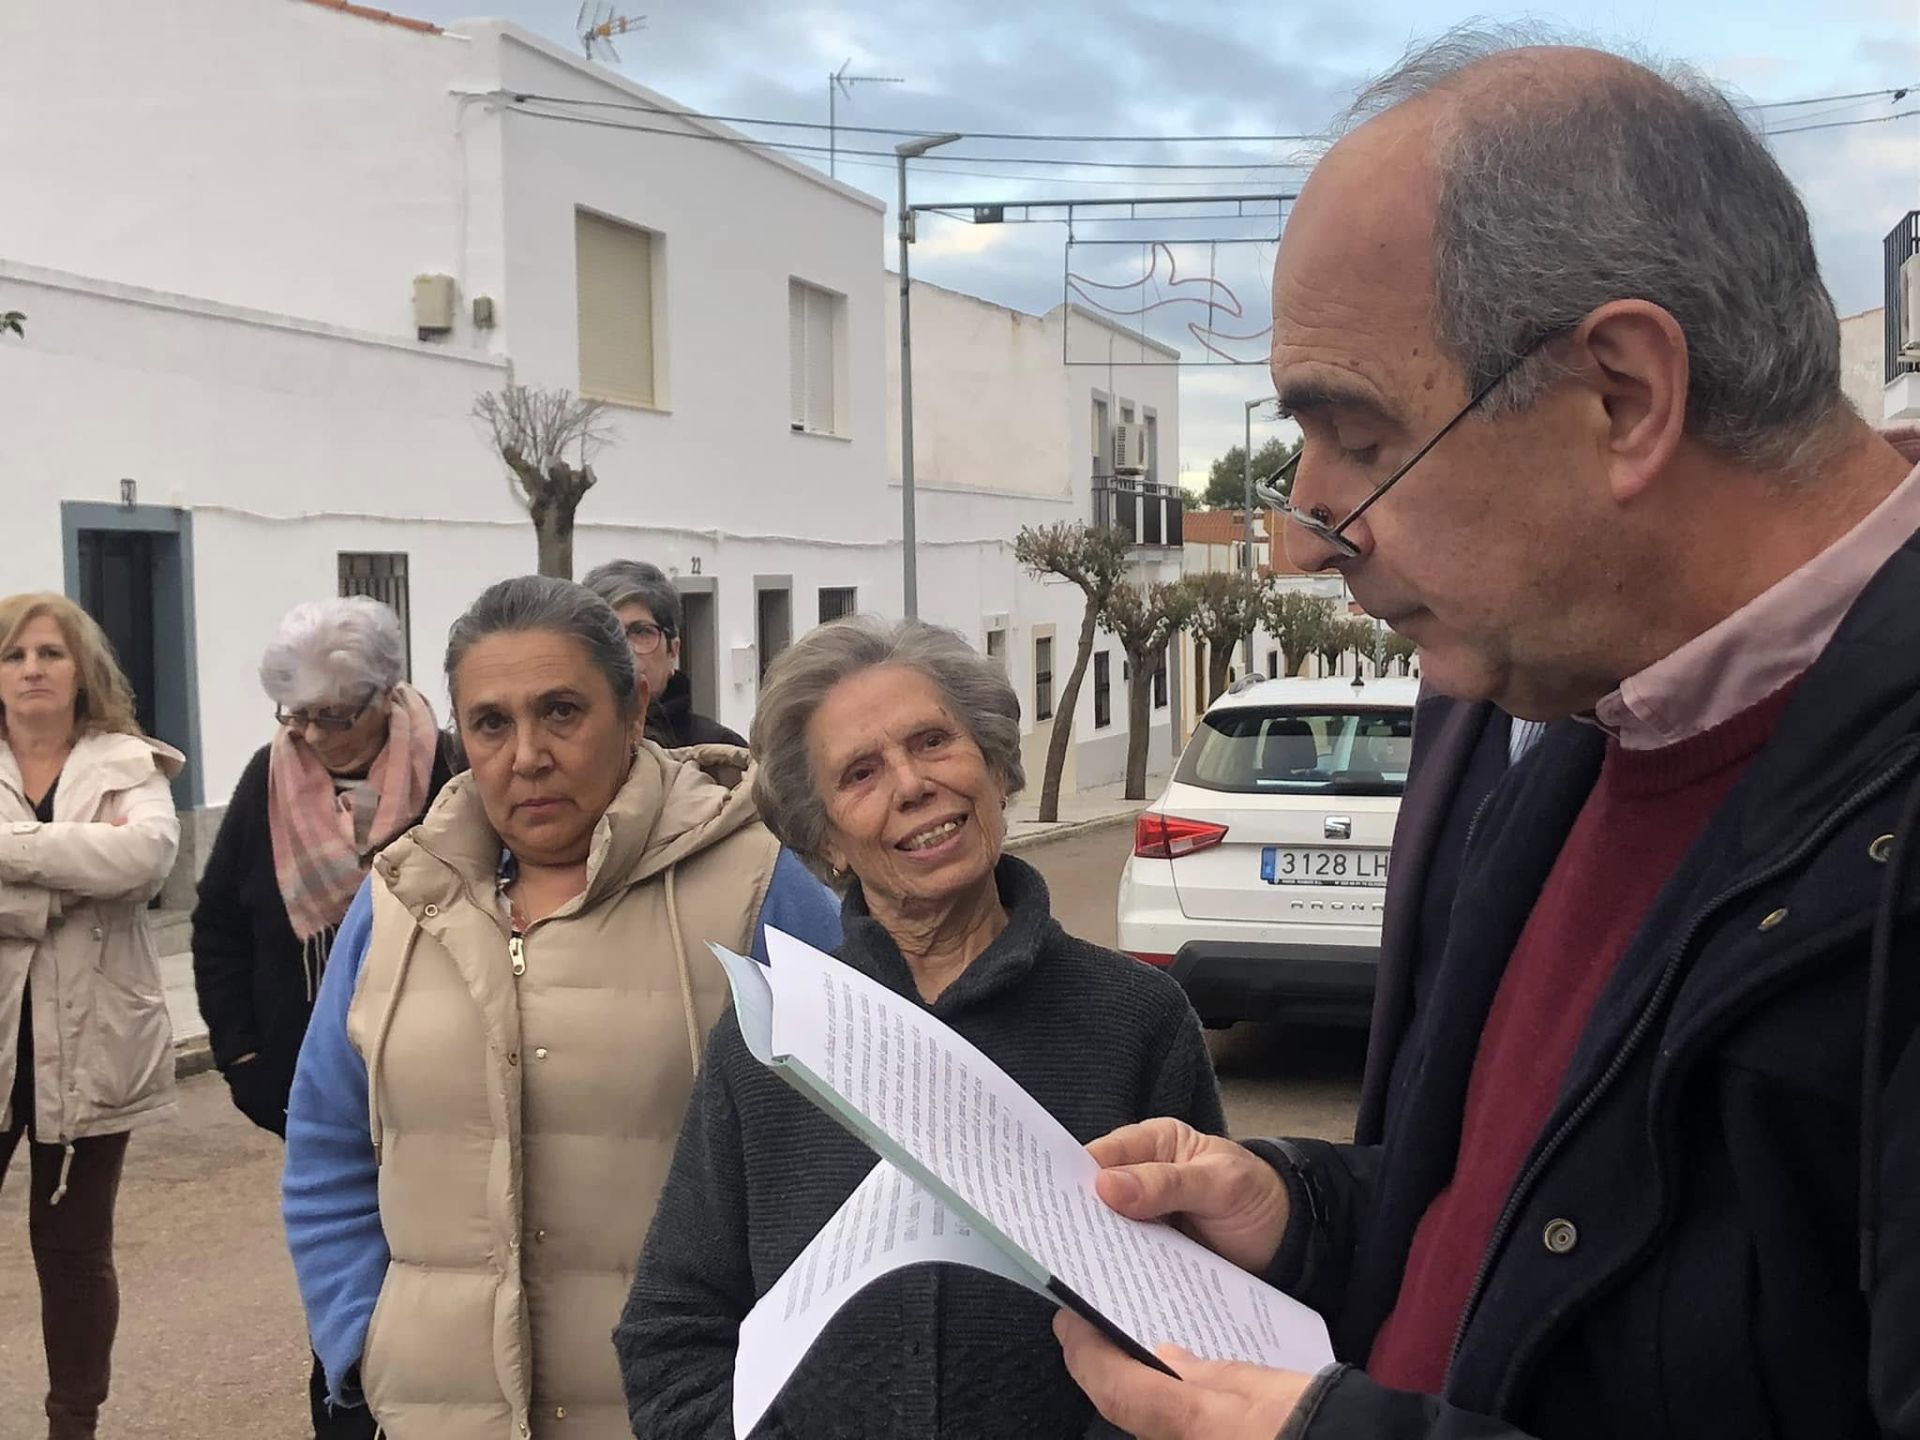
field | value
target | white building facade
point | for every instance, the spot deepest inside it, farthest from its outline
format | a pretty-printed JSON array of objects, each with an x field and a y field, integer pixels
[
  {"x": 271, "y": 253},
  {"x": 1011, "y": 428}
]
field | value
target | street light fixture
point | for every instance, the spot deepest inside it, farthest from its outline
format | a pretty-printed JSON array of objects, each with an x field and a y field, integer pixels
[{"x": 906, "y": 151}]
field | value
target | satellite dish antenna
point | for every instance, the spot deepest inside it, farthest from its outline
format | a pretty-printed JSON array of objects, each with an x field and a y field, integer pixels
[{"x": 597, "y": 24}]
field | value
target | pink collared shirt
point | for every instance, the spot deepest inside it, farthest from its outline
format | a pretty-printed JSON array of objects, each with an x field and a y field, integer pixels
[{"x": 1772, "y": 639}]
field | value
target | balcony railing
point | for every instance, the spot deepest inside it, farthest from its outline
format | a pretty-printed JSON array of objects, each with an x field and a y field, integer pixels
[
  {"x": 1150, "y": 511},
  {"x": 1901, "y": 243}
]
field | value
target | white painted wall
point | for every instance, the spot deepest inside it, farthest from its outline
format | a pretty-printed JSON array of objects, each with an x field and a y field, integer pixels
[
  {"x": 1002, "y": 439},
  {"x": 259, "y": 152},
  {"x": 1863, "y": 359}
]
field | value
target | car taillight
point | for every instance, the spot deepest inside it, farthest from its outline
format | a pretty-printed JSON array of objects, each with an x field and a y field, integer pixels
[
  {"x": 1145, "y": 958},
  {"x": 1168, "y": 837}
]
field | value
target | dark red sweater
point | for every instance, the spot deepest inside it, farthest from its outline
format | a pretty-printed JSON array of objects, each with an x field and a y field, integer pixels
[{"x": 1646, "y": 809}]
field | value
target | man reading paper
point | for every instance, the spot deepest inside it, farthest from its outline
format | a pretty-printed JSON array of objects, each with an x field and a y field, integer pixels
[{"x": 1650, "y": 1162}]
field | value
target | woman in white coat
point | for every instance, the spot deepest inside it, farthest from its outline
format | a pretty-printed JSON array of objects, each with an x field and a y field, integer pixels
[{"x": 87, "y": 836}]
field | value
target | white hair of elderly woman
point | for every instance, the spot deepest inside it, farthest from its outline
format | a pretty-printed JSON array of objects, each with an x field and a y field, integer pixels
[{"x": 334, "y": 652}]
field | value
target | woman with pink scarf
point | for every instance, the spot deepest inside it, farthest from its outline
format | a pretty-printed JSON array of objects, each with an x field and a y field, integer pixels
[{"x": 354, "y": 764}]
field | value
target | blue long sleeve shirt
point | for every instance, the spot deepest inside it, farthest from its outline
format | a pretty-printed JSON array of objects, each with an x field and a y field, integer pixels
[{"x": 330, "y": 1189}]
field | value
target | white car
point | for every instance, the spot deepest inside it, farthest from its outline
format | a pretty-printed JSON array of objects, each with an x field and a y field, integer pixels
[{"x": 1259, "y": 875}]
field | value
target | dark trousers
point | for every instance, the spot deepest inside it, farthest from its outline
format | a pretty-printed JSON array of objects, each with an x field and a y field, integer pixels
[
  {"x": 73, "y": 1257},
  {"x": 337, "y": 1422}
]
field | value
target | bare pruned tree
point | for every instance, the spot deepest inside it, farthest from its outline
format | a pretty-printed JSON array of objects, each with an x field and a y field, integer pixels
[
  {"x": 1144, "y": 619},
  {"x": 1224, "y": 608},
  {"x": 535, "y": 432},
  {"x": 1095, "y": 559},
  {"x": 1298, "y": 623}
]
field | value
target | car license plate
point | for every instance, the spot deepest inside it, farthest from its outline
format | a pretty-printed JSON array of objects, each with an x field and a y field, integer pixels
[{"x": 1303, "y": 865}]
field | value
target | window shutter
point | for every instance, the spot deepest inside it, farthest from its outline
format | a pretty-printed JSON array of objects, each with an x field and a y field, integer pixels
[
  {"x": 820, "y": 306},
  {"x": 811, "y": 314},
  {"x": 614, "y": 266},
  {"x": 797, "y": 353}
]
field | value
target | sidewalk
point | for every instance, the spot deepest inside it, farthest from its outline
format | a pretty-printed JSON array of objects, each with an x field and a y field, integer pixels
[
  {"x": 172, "y": 937},
  {"x": 1080, "y": 810}
]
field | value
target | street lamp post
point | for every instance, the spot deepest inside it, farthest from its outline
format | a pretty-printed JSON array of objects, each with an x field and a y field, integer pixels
[
  {"x": 910, "y": 568},
  {"x": 1246, "y": 557}
]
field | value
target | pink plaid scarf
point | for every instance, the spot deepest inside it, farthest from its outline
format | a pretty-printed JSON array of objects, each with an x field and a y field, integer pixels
[{"x": 324, "y": 840}]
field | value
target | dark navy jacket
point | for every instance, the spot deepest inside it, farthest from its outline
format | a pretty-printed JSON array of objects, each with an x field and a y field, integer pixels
[{"x": 1682, "y": 1256}]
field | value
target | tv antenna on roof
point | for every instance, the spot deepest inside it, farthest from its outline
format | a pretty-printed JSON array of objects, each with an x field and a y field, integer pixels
[
  {"x": 841, "y": 83},
  {"x": 597, "y": 25}
]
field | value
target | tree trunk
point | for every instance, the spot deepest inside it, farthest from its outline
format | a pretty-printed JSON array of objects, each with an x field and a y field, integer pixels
[
  {"x": 1139, "y": 703},
  {"x": 553, "y": 540},
  {"x": 1066, "y": 704},
  {"x": 1219, "y": 661}
]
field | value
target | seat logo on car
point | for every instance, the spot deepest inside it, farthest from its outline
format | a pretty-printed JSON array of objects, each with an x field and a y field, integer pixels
[{"x": 1339, "y": 827}]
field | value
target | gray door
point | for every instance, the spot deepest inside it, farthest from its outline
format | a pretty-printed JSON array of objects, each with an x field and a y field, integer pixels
[
  {"x": 698, "y": 643},
  {"x": 117, "y": 589}
]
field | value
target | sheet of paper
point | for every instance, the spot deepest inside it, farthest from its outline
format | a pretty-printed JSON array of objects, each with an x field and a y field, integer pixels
[
  {"x": 888, "y": 1223},
  {"x": 944, "y": 1108},
  {"x": 752, "y": 1000}
]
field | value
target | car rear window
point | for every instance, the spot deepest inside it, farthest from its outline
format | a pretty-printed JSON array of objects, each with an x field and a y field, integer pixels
[{"x": 1260, "y": 751}]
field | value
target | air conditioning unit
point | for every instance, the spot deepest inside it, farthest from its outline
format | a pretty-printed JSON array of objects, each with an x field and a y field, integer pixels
[
  {"x": 1909, "y": 303},
  {"x": 1129, "y": 449}
]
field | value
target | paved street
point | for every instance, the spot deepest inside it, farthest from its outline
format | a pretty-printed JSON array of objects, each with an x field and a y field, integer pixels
[
  {"x": 1276, "y": 1080},
  {"x": 210, "y": 1334}
]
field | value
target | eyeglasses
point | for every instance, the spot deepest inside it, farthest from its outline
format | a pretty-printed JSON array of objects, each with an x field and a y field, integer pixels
[
  {"x": 1318, "y": 521},
  {"x": 645, "y": 638},
  {"x": 333, "y": 719}
]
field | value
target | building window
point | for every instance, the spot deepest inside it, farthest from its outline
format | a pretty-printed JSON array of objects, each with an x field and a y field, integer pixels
[
  {"x": 382, "y": 576},
  {"x": 815, "y": 322},
  {"x": 1043, "y": 678},
  {"x": 997, "y": 648},
  {"x": 615, "y": 275},
  {"x": 1153, "y": 448},
  {"x": 838, "y": 602},
  {"x": 1102, "y": 691},
  {"x": 1273, "y": 664},
  {"x": 1102, "y": 436},
  {"x": 1160, "y": 684}
]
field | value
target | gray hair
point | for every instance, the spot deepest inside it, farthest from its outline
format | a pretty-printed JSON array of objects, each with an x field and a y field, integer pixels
[
  {"x": 974, "y": 688},
  {"x": 542, "y": 602},
  {"x": 1639, "y": 182},
  {"x": 628, "y": 582},
  {"x": 334, "y": 650}
]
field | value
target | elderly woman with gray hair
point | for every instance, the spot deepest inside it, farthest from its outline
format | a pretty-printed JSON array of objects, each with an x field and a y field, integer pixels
[
  {"x": 355, "y": 763},
  {"x": 887, "y": 755},
  {"x": 508, "y": 1031}
]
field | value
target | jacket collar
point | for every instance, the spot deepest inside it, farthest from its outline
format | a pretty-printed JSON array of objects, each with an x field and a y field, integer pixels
[
  {"x": 1031, "y": 931},
  {"x": 670, "y": 807},
  {"x": 101, "y": 763}
]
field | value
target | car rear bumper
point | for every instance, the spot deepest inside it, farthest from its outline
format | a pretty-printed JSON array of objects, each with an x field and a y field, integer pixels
[{"x": 1230, "y": 980}]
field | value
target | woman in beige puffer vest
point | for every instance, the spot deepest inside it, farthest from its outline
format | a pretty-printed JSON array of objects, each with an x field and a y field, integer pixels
[
  {"x": 507, "y": 1032},
  {"x": 87, "y": 836}
]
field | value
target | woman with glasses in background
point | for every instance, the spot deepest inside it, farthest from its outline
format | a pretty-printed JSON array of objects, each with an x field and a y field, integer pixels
[
  {"x": 649, "y": 610},
  {"x": 356, "y": 762}
]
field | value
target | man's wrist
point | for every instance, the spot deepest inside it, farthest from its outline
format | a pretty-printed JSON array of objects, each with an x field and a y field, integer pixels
[{"x": 1288, "y": 1265}]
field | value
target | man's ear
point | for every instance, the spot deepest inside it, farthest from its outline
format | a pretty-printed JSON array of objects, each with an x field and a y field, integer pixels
[{"x": 1633, "y": 355}]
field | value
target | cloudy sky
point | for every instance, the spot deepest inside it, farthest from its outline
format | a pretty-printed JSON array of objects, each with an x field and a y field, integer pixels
[{"x": 1227, "y": 67}]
